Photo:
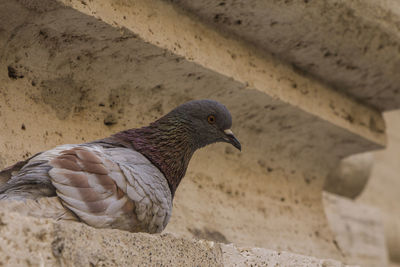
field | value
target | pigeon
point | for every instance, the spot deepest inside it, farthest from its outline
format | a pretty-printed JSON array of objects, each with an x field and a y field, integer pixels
[{"x": 125, "y": 181}]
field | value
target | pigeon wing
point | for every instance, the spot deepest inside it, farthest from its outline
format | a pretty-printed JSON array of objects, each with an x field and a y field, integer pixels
[
  {"x": 85, "y": 181},
  {"x": 8, "y": 172}
]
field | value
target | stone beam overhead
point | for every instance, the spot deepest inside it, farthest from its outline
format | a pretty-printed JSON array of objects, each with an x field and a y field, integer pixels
[
  {"x": 159, "y": 23},
  {"x": 351, "y": 45}
]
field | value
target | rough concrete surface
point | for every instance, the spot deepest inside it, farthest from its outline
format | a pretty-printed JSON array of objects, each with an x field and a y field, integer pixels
[
  {"x": 156, "y": 22},
  {"x": 28, "y": 241},
  {"x": 352, "y": 45},
  {"x": 233, "y": 256}
]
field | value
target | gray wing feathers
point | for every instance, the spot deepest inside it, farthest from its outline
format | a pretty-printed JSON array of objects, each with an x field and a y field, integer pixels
[
  {"x": 147, "y": 187},
  {"x": 29, "y": 182},
  {"x": 106, "y": 187},
  {"x": 112, "y": 187},
  {"x": 45, "y": 207},
  {"x": 7, "y": 173},
  {"x": 84, "y": 185},
  {"x": 151, "y": 193},
  {"x": 30, "y": 179}
]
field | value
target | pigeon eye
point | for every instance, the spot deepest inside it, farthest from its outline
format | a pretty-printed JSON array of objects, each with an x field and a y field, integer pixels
[{"x": 211, "y": 119}]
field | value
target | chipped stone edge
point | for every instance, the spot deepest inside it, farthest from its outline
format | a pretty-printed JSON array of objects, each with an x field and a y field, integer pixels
[
  {"x": 235, "y": 256},
  {"x": 56, "y": 252}
]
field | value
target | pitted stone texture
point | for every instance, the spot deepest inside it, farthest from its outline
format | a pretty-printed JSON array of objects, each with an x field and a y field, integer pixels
[
  {"x": 233, "y": 256},
  {"x": 156, "y": 21},
  {"x": 28, "y": 241},
  {"x": 358, "y": 230},
  {"x": 352, "y": 45},
  {"x": 25, "y": 242}
]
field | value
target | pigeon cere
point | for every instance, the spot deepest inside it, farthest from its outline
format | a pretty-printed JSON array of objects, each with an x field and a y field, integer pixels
[{"x": 126, "y": 181}]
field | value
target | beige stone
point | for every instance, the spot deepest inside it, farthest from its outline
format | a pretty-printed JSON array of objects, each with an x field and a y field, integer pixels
[
  {"x": 233, "y": 256},
  {"x": 156, "y": 22},
  {"x": 28, "y": 241},
  {"x": 383, "y": 188},
  {"x": 350, "y": 176},
  {"x": 352, "y": 45},
  {"x": 358, "y": 230}
]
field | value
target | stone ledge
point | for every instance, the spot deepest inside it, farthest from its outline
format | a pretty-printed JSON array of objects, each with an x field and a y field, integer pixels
[
  {"x": 234, "y": 256},
  {"x": 28, "y": 241},
  {"x": 351, "y": 45},
  {"x": 155, "y": 21},
  {"x": 32, "y": 241}
]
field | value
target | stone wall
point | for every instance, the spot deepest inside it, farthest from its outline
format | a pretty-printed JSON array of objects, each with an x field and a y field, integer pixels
[
  {"x": 382, "y": 190},
  {"x": 74, "y": 71}
]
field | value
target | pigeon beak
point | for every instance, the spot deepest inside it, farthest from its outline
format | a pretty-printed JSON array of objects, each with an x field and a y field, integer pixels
[{"x": 230, "y": 138}]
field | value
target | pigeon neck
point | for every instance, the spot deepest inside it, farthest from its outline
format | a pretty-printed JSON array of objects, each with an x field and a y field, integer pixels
[{"x": 166, "y": 144}]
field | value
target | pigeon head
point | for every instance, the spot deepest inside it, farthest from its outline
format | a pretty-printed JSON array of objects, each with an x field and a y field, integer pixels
[
  {"x": 208, "y": 122},
  {"x": 170, "y": 141}
]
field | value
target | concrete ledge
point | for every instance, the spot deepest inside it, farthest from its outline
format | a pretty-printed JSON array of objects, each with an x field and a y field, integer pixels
[
  {"x": 351, "y": 45},
  {"x": 156, "y": 21},
  {"x": 41, "y": 242},
  {"x": 234, "y": 256},
  {"x": 27, "y": 241}
]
